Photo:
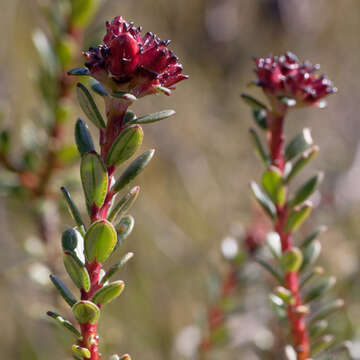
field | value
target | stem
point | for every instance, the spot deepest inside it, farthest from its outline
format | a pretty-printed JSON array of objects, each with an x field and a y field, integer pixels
[{"x": 299, "y": 331}]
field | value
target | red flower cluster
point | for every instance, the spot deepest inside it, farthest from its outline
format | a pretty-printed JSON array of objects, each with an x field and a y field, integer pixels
[
  {"x": 130, "y": 62},
  {"x": 286, "y": 76}
]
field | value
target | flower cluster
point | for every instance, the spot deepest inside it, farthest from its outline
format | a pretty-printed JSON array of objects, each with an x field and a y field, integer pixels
[
  {"x": 132, "y": 63},
  {"x": 285, "y": 76}
]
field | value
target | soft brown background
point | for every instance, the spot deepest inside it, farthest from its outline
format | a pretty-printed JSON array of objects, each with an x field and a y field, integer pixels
[{"x": 196, "y": 189}]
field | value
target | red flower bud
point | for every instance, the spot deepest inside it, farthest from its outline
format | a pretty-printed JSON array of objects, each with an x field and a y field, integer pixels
[
  {"x": 130, "y": 62},
  {"x": 285, "y": 76}
]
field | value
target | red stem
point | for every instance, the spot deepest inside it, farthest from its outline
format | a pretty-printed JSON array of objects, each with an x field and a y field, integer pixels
[{"x": 296, "y": 319}]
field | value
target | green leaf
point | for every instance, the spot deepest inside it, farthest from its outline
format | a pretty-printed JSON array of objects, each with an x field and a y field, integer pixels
[
  {"x": 124, "y": 96},
  {"x": 98, "y": 88},
  {"x": 134, "y": 169},
  {"x": 260, "y": 118},
  {"x": 76, "y": 270},
  {"x": 263, "y": 200},
  {"x": 272, "y": 183},
  {"x": 328, "y": 309},
  {"x": 318, "y": 328},
  {"x": 285, "y": 295},
  {"x": 254, "y": 103},
  {"x": 83, "y": 137},
  {"x": 69, "y": 240},
  {"x": 306, "y": 190},
  {"x": 86, "y": 312},
  {"x": 124, "y": 228},
  {"x": 298, "y": 144},
  {"x": 99, "y": 241},
  {"x": 82, "y": 11},
  {"x": 79, "y": 71},
  {"x": 314, "y": 235},
  {"x": 94, "y": 178},
  {"x": 65, "y": 323},
  {"x": 259, "y": 148},
  {"x": 67, "y": 155},
  {"x": 73, "y": 210},
  {"x": 129, "y": 117},
  {"x": 320, "y": 289},
  {"x": 317, "y": 271},
  {"x": 311, "y": 252},
  {"x": 162, "y": 90},
  {"x": 305, "y": 159},
  {"x": 4, "y": 141},
  {"x": 125, "y": 203},
  {"x": 125, "y": 145},
  {"x": 81, "y": 352},
  {"x": 108, "y": 293},
  {"x": 268, "y": 267},
  {"x": 114, "y": 268},
  {"x": 291, "y": 260},
  {"x": 63, "y": 290},
  {"x": 88, "y": 106},
  {"x": 147, "y": 119},
  {"x": 297, "y": 217},
  {"x": 323, "y": 344}
]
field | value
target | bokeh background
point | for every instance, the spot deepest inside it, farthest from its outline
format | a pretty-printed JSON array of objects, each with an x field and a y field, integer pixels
[{"x": 195, "y": 193}]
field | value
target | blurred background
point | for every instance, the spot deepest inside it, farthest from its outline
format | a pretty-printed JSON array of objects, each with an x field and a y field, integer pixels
[{"x": 195, "y": 193}]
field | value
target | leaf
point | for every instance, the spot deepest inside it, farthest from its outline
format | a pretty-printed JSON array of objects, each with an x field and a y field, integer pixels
[
  {"x": 108, "y": 293},
  {"x": 274, "y": 243},
  {"x": 263, "y": 200},
  {"x": 82, "y": 11},
  {"x": 63, "y": 290},
  {"x": 260, "y": 118},
  {"x": 134, "y": 169},
  {"x": 305, "y": 159},
  {"x": 114, "y": 268},
  {"x": 147, "y": 119},
  {"x": 291, "y": 260},
  {"x": 323, "y": 344},
  {"x": 69, "y": 240},
  {"x": 129, "y": 117},
  {"x": 308, "y": 240},
  {"x": 99, "y": 241},
  {"x": 272, "y": 183},
  {"x": 297, "y": 217},
  {"x": 125, "y": 96},
  {"x": 67, "y": 155},
  {"x": 317, "y": 271},
  {"x": 268, "y": 267},
  {"x": 298, "y": 144},
  {"x": 65, "y": 323},
  {"x": 73, "y": 210},
  {"x": 311, "y": 252},
  {"x": 254, "y": 103},
  {"x": 125, "y": 203},
  {"x": 98, "y": 88},
  {"x": 88, "y": 106},
  {"x": 125, "y": 145},
  {"x": 81, "y": 352},
  {"x": 328, "y": 309},
  {"x": 4, "y": 141},
  {"x": 83, "y": 137},
  {"x": 86, "y": 311},
  {"x": 318, "y": 328},
  {"x": 94, "y": 178},
  {"x": 77, "y": 271},
  {"x": 320, "y": 289},
  {"x": 306, "y": 190},
  {"x": 79, "y": 71},
  {"x": 285, "y": 295},
  {"x": 124, "y": 228},
  {"x": 259, "y": 148}
]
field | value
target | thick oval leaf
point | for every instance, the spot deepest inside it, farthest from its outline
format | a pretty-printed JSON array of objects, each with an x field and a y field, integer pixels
[
  {"x": 259, "y": 116},
  {"x": 77, "y": 271},
  {"x": 124, "y": 228},
  {"x": 69, "y": 240},
  {"x": 100, "y": 240},
  {"x": 298, "y": 144},
  {"x": 94, "y": 178},
  {"x": 311, "y": 252},
  {"x": 75, "y": 213},
  {"x": 134, "y": 169},
  {"x": 125, "y": 96},
  {"x": 125, "y": 145},
  {"x": 272, "y": 183},
  {"x": 63, "y": 290},
  {"x": 108, "y": 293},
  {"x": 81, "y": 352},
  {"x": 147, "y": 119},
  {"x": 65, "y": 323},
  {"x": 124, "y": 204},
  {"x": 285, "y": 295},
  {"x": 83, "y": 137},
  {"x": 86, "y": 312},
  {"x": 129, "y": 117},
  {"x": 291, "y": 260},
  {"x": 98, "y": 88},
  {"x": 114, "y": 268},
  {"x": 79, "y": 71},
  {"x": 297, "y": 217},
  {"x": 88, "y": 106},
  {"x": 306, "y": 190},
  {"x": 263, "y": 200}
]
